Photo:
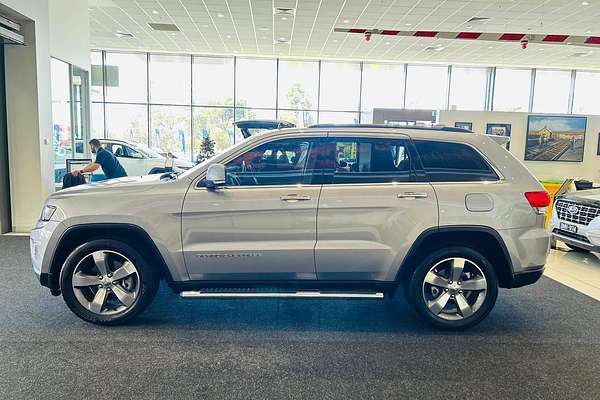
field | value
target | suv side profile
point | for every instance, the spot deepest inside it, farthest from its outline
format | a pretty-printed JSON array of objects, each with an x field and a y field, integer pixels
[{"x": 322, "y": 212}]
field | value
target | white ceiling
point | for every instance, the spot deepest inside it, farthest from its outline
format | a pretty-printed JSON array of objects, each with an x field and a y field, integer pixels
[{"x": 249, "y": 27}]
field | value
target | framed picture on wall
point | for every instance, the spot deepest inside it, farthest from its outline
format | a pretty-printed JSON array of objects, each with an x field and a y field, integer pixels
[
  {"x": 464, "y": 125},
  {"x": 598, "y": 146},
  {"x": 498, "y": 129},
  {"x": 555, "y": 138}
]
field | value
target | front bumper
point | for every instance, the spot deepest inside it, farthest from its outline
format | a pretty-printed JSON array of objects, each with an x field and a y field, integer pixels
[
  {"x": 587, "y": 236},
  {"x": 38, "y": 246}
]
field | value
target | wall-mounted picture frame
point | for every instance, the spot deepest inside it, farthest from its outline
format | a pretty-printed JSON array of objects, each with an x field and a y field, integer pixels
[
  {"x": 464, "y": 125},
  {"x": 555, "y": 138},
  {"x": 598, "y": 146},
  {"x": 499, "y": 129}
]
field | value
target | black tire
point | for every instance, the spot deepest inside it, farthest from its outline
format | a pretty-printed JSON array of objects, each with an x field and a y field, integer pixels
[
  {"x": 415, "y": 288},
  {"x": 148, "y": 282},
  {"x": 575, "y": 248}
]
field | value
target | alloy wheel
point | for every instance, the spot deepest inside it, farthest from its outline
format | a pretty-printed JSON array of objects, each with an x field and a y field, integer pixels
[
  {"x": 454, "y": 288},
  {"x": 106, "y": 282}
]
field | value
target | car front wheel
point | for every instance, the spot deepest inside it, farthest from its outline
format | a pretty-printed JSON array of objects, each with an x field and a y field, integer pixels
[
  {"x": 107, "y": 282},
  {"x": 453, "y": 288}
]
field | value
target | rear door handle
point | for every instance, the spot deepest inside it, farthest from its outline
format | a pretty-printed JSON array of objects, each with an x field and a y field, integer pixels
[
  {"x": 295, "y": 197},
  {"x": 412, "y": 195}
]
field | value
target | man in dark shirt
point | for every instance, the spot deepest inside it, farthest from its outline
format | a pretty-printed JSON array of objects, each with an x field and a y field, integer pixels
[{"x": 105, "y": 159}]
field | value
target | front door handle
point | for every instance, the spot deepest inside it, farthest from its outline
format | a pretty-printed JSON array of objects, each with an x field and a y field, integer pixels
[
  {"x": 412, "y": 195},
  {"x": 295, "y": 197}
]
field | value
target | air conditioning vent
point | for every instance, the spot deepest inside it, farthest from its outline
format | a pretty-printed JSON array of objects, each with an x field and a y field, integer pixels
[
  {"x": 122, "y": 34},
  {"x": 474, "y": 20},
  {"x": 582, "y": 54},
  {"x": 9, "y": 31},
  {"x": 284, "y": 12},
  {"x": 163, "y": 27}
]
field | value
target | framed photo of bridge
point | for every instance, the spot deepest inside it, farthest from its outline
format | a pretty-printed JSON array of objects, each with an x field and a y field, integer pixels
[{"x": 555, "y": 138}]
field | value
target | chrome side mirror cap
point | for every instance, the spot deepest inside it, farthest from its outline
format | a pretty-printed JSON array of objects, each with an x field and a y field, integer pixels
[{"x": 215, "y": 176}]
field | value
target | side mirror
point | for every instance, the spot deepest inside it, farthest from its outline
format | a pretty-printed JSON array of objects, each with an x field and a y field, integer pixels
[{"x": 215, "y": 176}]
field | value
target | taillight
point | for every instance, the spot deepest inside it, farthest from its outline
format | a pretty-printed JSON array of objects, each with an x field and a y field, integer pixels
[{"x": 538, "y": 199}]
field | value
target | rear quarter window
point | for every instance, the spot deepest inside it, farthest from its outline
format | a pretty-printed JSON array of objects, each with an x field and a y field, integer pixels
[{"x": 453, "y": 162}]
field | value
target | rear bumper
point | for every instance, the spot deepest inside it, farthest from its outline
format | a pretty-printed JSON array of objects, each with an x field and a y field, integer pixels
[{"x": 526, "y": 277}]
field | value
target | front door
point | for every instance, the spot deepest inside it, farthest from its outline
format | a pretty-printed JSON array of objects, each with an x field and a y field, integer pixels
[
  {"x": 371, "y": 208},
  {"x": 262, "y": 224}
]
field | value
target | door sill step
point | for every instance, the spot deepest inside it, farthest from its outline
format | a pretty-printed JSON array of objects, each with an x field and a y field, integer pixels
[{"x": 194, "y": 294}]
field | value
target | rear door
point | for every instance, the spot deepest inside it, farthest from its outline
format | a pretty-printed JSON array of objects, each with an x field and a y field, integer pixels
[{"x": 372, "y": 207}]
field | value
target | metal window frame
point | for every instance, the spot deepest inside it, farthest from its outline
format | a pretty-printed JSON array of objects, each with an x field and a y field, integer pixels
[{"x": 488, "y": 102}]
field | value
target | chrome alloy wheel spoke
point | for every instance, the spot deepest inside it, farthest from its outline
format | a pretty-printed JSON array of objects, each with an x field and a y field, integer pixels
[
  {"x": 124, "y": 271},
  {"x": 100, "y": 261},
  {"x": 436, "y": 306},
  {"x": 97, "y": 303},
  {"x": 434, "y": 279}
]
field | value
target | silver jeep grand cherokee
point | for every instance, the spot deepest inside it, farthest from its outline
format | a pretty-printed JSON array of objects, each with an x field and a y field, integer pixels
[{"x": 323, "y": 212}]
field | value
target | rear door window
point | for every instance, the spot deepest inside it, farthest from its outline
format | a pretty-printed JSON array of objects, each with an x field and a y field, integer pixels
[{"x": 453, "y": 162}]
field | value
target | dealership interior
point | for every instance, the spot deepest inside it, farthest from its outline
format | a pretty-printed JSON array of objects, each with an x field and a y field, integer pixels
[{"x": 164, "y": 84}]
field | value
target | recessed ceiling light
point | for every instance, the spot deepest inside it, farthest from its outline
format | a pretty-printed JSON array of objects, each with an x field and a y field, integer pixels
[
  {"x": 228, "y": 36},
  {"x": 387, "y": 43},
  {"x": 408, "y": 24},
  {"x": 154, "y": 12},
  {"x": 263, "y": 29},
  {"x": 346, "y": 21},
  {"x": 468, "y": 27},
  {"x": 335, "y": 40},
  {"x": 220, "y": 15},
  {"x": 205, "y": 26},
  {"x": 585, "y": 3},
  {"x": 588, "y": 32},
  {"x": 490, "y": 47},
  {"x": 284, "y": 18},
  {"x": 541, "y": 49}
]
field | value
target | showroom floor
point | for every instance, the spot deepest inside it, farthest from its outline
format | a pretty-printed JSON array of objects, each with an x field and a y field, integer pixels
[{"x": 540, "y": 342}]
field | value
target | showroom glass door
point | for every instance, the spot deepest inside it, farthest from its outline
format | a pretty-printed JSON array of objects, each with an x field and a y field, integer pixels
[
  {"x": 70, "y": 114},
  {"x": 80, "y": 120}
]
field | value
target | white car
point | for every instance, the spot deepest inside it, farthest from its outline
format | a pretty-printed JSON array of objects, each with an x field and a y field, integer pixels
[{"x": 140, "y": 160}]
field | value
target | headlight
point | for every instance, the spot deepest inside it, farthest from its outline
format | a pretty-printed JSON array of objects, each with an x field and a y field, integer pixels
[{"x": 47, "y": 212}]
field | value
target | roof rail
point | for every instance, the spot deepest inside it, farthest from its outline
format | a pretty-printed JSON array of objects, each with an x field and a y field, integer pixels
[{"x": 419, "y": 127}]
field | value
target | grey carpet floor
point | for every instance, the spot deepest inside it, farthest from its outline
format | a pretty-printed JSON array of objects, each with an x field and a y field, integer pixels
[{"x": 540, "y": 342}]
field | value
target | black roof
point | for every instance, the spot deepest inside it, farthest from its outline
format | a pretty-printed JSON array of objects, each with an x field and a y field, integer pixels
[{"x": 425, "y": 128}]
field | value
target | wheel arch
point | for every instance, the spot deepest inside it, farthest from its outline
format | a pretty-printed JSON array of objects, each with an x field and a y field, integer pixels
[
  {"x": 77, "y": 235},
  {"x": 483, "y": 239}
]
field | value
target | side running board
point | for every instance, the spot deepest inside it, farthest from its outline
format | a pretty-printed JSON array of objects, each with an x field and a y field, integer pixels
[{"x": 195, "y": 294}]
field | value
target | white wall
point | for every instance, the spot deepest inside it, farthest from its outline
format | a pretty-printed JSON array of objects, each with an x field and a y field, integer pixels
[
  {"x": 70, "y": 32},
  {"x": 29, "y": 100},
  {"x": 588, "y": 169}
]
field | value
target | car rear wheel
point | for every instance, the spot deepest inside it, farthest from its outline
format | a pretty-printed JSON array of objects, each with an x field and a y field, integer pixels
[
  {"x": 453, "y": 288},
  {"x": 107, "y": 282}
]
